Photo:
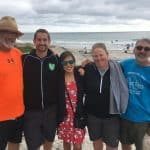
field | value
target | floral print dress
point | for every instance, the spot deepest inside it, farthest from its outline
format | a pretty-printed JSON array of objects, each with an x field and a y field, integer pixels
[{"x": 66, "y": 130}]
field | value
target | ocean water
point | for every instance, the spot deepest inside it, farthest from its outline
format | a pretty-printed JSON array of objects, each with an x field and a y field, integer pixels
[{"x": 81, "y": 40}]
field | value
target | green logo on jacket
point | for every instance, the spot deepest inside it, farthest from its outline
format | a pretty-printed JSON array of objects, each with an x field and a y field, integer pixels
[{"x": 51, "y": 66}]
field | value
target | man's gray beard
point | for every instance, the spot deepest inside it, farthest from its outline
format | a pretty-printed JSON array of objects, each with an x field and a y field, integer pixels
[{"x": 8, "y": 45}]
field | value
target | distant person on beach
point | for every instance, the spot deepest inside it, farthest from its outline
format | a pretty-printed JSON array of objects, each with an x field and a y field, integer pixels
[
  {"x": 85, "y": 50},
  {"x": 136, "y": 119},
  {"x": 11, "y": 85},
  {"x": 42, "y": 78},
  {"x": 127, "y": 48},
  {"x": 71, "y": 134},
  {"x": 106, "y": 98}
]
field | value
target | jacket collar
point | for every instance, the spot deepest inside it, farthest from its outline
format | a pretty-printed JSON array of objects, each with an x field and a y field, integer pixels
[{"x": 33, "y": 52}]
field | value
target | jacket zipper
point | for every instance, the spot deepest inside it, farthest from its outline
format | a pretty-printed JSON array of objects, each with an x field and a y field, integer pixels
[
  {"x": 42, "y": 103},
  {"x": 101, "y": 84}
]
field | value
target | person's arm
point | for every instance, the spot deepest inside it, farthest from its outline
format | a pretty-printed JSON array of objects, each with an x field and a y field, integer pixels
[
  {"x": 61, "y": 93},
  {"x": 81, "y": 71},
  {"x": 85, "y": 62},
  {"x": 54, "y": 51},
  {"x": 80, "y": 114}
]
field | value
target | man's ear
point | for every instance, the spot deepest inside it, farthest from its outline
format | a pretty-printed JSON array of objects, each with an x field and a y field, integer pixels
[
  {"x": 134, "y": 51},
  {"x": 49, "y": 41},
  {"x": 34, "y": 41}
]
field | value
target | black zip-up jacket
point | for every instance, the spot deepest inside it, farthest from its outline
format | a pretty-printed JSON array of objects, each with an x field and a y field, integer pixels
[
  {"x": 42, "y": 79},
  {"x": 97, "y": 89}
]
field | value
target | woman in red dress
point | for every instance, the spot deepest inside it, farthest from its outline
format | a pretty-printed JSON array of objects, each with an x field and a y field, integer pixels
[{"x": 73, "y": 97}]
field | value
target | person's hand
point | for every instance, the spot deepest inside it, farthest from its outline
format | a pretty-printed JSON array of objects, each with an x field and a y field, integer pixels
[
  {"x": 54, "y": 51},
  {"x": 85, "y": 62},
  {"x": 81, "y": 71}
]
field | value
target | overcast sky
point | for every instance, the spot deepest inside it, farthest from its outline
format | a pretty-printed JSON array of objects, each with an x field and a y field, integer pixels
[{"x": 79, "y": 15}]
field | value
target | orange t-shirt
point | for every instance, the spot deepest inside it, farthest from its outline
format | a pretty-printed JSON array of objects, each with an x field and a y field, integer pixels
[{"x": 11, "y": 85}]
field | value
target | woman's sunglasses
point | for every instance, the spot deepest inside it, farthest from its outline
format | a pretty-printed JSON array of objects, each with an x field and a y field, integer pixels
[
  {"x": 70, "y": 62},
  {"x": 140, "y": 48}
]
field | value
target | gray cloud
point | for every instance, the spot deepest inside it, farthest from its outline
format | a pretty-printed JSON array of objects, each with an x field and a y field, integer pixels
[{"x": 76, "y": 12}]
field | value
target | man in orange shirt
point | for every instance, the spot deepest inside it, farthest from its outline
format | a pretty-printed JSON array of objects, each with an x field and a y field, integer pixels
[{"x": 11, "y": 83}]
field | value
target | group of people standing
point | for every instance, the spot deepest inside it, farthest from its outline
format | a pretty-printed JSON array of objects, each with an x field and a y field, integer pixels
[{"x": 42, "y": 92}]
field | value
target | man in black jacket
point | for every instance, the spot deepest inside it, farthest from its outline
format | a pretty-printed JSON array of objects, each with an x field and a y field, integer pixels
[{"x": 42, "y": 83}]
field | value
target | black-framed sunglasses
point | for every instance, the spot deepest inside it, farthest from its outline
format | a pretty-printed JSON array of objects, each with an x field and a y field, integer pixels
[
  {"x": 65, "y": 63},
  {"x": 140, "y": 48}
]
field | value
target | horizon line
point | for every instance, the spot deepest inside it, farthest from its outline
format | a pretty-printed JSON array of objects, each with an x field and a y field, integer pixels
[{"x": 87, "y": 31}]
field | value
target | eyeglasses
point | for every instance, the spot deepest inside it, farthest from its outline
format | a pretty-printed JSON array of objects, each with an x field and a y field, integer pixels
[
  {"x": 65, "y": 63},
  {"x": 140, "y": 48}
]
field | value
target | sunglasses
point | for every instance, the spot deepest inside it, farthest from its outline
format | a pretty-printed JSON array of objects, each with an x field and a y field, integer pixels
[
  {"x": 70, "y": 62},
  {"x": 140, "y": 48}
]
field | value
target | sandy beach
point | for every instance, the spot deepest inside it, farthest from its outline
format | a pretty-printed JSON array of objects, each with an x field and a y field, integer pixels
[{"x": 80, "y": 56}]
